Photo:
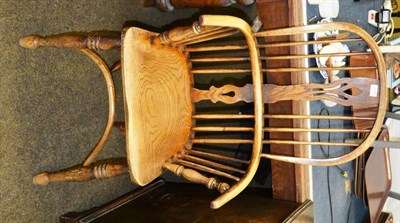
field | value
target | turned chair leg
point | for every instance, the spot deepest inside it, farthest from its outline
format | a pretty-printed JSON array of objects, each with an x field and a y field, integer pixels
[
  {"x": 82, "y": 173},
  {"x": 94, "y": 42}
]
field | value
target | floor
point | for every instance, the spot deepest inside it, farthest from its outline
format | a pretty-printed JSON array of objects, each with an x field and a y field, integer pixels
[{"x": 53, "y": 102}]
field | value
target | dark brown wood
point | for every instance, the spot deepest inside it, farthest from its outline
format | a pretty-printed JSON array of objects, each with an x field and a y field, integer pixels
[
  {"x": 172, "y": 202},
  {"x": 378, "y": 179},
  {"x": 99, "y": 170},
  {"x": 170, "y": 5},
  {"x": 275, "y": 14},
  {"x": 363, "y": 110},
  {"x": 95, "y": 42}
]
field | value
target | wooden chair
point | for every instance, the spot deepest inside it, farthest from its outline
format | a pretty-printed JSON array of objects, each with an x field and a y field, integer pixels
[{"x": 164, "y": 131}]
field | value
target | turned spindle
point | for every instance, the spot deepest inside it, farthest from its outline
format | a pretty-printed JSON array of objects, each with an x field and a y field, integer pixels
[
  {"x": 196, "y": 177},
  {"x": 95, "y": 42},
  {"x": 184, "y": 33},
  {"x": 81, "y": 173}
]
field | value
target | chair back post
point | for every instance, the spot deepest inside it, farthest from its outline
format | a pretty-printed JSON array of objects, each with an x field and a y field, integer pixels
[
  {"x": 382, "y": 90},
  {"x": 237, "y": 23}
]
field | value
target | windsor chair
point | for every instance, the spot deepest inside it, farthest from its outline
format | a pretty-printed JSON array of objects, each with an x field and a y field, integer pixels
[{"x": 165, "y": 130}]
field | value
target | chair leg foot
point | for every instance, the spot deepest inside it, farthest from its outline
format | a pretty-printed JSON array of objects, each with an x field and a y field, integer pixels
[{"x": 82, "y": 173}]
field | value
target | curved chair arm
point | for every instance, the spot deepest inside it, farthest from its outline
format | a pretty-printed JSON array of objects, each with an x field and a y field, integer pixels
[
  {"x": 382, "y": 90},
  {"x": 234, "y": 22},
  {"x": 111, "y": 103}
]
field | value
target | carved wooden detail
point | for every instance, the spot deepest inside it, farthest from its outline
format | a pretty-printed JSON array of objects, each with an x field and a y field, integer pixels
[
  {"x": 338, "y": 91},
  {"x": 82, "y": 173},
  {"x": 95, "y": 42},
  {"x": 196, "y": 177},
  {"x": 185, "y": 34},
  {"x": 228, "y": 94}
]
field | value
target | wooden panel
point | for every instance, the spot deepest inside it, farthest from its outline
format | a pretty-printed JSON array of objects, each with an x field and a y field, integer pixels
[
  {"x": 157, "y": 101},
  {"x": 302, "y": 172},
  {"x": 274, "y": 14}
]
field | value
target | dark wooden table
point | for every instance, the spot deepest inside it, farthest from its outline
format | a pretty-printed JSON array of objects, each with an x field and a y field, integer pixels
[{"x": 173, "y": 202}]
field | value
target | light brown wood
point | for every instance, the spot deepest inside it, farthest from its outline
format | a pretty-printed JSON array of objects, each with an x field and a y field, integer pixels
[
  {"x": 217, "y": 156},
  {"x": 158, "y": 108},
  {"x": 206, "y": 169},
  {"x": 212, "y": 164},
  {"x": 279, "y": 116},
  {"x": 159, "y": 97},
  {"x": 215, "y": 48},
  {"x": 334, "y": 91},
  {"x": 280, "y": 57},
  {"x": 299, "y": 43},
  {"x": 195, "y": 177},
  {"x": 223, "y": 94},
  {"x": 183, "y": 34},
  {"x": 382, "y": 95},
  {"x": 98, "y": 170},
  {"x": 245, "y": 29},
  {"x": 283, "y": 142},
  {"x": 111, "y": 104},
  {"x": 95, "y": 42},
  {"x": 273, "y": 129}
]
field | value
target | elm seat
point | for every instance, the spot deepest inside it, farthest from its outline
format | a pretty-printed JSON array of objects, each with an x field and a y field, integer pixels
[{"x": 158, "y": 108}]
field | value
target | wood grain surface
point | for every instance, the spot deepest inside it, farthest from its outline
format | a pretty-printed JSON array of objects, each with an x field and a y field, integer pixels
[{"x": 158, "y": 106}]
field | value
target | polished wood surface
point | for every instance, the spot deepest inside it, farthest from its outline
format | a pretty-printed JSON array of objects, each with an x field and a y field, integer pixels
[
  {"x": 380, "y": 94},
  {"x": 172, "y": 203},
  {"x": 158, "y": 107},
  {"x": 363, "y": 110},
  {"x": 362, "y": 92},
  {"x": 275, "y": 14},
  {"x": 74, "y": 41},
  {"x": 99, "y": 170},
  {"x": 378, "y": 178},
  {"x": 158, "y": 76},
  {"x": 195, "y": 177}
]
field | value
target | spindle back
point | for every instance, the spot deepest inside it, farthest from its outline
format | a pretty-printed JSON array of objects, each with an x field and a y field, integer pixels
[{"x": 194, "y": 97}]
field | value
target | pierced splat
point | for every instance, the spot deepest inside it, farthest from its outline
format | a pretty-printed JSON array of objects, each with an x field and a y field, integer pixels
[
  {"x": 337, "y": 91},
  {"x": 345, "y": 91},
  {"x": 228, "y": 94}
]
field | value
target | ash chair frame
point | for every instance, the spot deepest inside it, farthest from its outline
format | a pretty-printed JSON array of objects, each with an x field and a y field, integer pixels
[{"x": 178, "y": 48}]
